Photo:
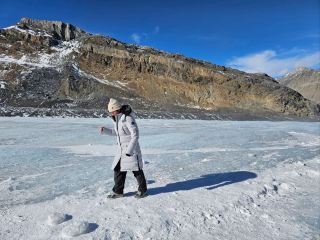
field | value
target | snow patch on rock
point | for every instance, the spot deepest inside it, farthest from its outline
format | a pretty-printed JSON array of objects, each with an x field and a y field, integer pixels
[
  {"x": 117, "y": 84},
  {"x": 57, "y": 59},
  {"x": 28, "y": 31},
  {"x": 3, "y": 85}
]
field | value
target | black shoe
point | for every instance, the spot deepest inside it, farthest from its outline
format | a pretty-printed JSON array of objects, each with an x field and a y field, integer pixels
[
  {"x": 141, "y": 194},
  {"x": 115, "y": 195}
]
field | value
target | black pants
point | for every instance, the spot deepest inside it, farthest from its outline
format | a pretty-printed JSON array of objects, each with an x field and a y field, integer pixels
[{"x": 120, "y": 178}]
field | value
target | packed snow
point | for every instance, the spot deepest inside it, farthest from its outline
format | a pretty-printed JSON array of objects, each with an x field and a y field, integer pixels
[{"x": 206, "y": 180}]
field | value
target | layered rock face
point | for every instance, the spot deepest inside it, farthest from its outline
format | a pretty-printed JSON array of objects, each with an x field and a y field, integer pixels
[
  {"x": 174, "y": 78},
  {"x": 58, "y": 30},
  {"x": 305, "y": 81},
  {"x": 57, "y": 65}
]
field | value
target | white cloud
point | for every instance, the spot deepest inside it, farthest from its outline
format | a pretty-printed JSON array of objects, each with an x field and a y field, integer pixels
[
  {"x": 270, "y": 62},
  {"x": 136, "y": 38},
  {"x": 156, "y": 30}
]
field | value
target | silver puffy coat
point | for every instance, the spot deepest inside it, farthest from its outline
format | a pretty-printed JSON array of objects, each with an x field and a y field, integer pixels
[{"x": 127, "y": 133}]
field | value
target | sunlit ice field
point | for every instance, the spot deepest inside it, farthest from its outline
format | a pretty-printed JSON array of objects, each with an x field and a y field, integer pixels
[{"x": 43, "y": 160}]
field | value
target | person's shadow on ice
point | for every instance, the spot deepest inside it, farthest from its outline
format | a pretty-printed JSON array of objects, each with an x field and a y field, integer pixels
[{"x": 211, "y": 181}]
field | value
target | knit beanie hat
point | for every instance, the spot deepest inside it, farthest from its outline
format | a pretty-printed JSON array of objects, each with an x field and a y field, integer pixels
[{"x": 113, "y": 105}]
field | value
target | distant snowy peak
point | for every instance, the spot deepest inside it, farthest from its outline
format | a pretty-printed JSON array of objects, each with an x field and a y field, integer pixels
[
  {"x": 302, "y": 73},
  {"x": 305, "y": 81},
  {"x": 299, "y": 71}
]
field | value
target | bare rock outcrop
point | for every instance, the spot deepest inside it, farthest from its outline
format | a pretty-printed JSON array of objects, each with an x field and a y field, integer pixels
[{"x": 53, "y": 64}]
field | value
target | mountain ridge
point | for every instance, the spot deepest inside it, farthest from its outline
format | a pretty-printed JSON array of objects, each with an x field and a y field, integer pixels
[
  {"x": 306, "y": 81},
  {"x": 57, "y": 63}
]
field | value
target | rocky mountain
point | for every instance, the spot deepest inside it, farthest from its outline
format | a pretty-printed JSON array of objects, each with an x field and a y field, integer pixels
[
  {"x": 305, "y": 81},
  {"x": 54, "y": 68}
]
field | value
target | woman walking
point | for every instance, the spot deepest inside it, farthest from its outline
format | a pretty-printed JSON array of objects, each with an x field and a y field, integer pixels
[{"x": 128, "y": 156}]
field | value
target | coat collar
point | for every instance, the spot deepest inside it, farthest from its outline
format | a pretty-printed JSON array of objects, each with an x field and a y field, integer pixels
[{"x": 119, "y": 117}]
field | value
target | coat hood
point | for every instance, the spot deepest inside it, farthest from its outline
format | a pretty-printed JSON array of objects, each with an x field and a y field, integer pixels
[{"x": 126, "y": 110}]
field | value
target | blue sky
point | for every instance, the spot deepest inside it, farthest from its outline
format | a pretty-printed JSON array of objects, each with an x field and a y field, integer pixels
[{"x": 272, "y": 36}]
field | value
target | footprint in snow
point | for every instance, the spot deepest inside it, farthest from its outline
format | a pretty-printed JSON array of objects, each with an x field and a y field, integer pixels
[
  {"x": 57, "y": 218},
  {"x": 124, "y": 236},
  {"x": 150, "y": 181},
  {"x": 211, "y": 217},
  {"x": 79, "y": 228},
  {"x": 218, "y": 219}
]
